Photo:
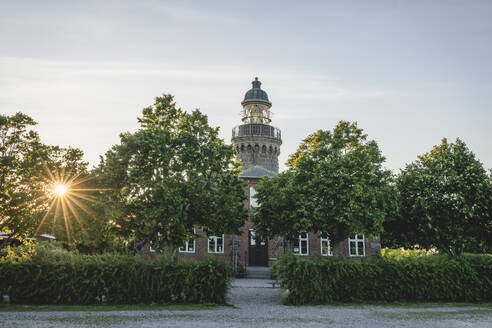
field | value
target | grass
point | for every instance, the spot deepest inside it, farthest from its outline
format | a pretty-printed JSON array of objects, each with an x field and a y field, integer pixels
[
  {"x": 485, "y": 307},
  {"x": 417, "y": 305},
  {"x": 426, "y": 315},
  {"x": 108, "y": 320},
  {"x": 105, "y": 308},
  {"x": 410, "y": 305}
]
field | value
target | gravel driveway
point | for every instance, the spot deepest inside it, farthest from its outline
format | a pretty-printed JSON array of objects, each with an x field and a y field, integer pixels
[{"x": 257, "y": 304}]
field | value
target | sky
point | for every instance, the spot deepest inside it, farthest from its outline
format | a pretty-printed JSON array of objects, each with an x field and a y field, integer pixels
[{"x": 409, "y": 72}]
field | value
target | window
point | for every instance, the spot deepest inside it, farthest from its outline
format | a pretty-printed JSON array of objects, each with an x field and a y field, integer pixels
[
  {"x": 325, "y": 245},
  {"x": 252, "y": 199},
  {"x": 189, "y": 246},
  {"x": 302, "y": 247},
  {"x": 252, "y": 237},
  {"x": 357, "y": 246},
  {"x": 150, "y": 244},
  {"x": 216, "y": 244}
]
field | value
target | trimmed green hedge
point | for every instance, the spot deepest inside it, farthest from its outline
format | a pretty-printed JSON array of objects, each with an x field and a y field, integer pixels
[
  {"x": 429, "y": 278},
  {"x": 114, "y": 280}
]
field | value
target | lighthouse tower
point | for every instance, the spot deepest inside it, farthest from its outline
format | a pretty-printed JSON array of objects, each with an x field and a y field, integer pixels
[{"x": 256, "y": 141}]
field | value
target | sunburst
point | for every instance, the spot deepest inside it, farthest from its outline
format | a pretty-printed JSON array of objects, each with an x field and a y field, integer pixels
[
  {"x": 65, "y": 198},
  {"x": 60, "y": 190}
]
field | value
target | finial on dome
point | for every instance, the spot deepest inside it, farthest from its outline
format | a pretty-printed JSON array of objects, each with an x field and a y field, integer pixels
[{"x": 256, "y": 84}]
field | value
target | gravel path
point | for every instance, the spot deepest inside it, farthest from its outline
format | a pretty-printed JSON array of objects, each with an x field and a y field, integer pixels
[{"x": 257, "y": 304}]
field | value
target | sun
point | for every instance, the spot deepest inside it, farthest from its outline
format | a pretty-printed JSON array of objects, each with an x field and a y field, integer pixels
[
  {"x": 60, "y": 189},
  {"x": 68, "y": 193}
]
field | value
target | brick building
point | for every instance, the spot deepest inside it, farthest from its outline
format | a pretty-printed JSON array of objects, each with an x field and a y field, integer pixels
[{"x": 258, "y": 146}]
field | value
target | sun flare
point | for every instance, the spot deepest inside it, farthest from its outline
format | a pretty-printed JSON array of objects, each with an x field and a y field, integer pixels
[
  {"x": 60, "y": 189},
  {"x": 67, "y": 196}
]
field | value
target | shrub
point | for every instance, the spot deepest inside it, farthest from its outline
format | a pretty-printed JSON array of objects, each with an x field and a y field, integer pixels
[
  {"x": 401, "y": 254},
  {"x": 65, "y": 278},
  {"x": 425, "y": 278}
]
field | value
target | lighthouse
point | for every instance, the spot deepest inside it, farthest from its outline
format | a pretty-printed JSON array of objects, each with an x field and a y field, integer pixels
[{"x": 256, "y": 141}]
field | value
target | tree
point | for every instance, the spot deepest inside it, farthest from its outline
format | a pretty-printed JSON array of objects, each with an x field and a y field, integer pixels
[
  {"x": 17, "y": 145},
  {"x": 445, "y": 199},
  {"x": 335, "y": 184},
  {"x": 174, "y": 173},
  {"x": 29, "y": 170}
]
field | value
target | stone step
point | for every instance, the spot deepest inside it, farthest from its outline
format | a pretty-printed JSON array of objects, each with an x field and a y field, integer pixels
[
  {"x": 259, "y": 277},
  {"x": 258, "y": 272}
]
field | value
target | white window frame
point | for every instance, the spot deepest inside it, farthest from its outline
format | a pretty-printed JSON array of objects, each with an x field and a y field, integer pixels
[
  {"x": 151, "y": 250},
  {"x": 327, "y": 241},
  {"x": 216, "y": 246},
  {"x": 252, "y": 200},
  {"x": 299, "y": 245},
  {"x": 357, "y": 240},
  {"x": 252, "y": 237},
  {"x": 186, "y": 248}
]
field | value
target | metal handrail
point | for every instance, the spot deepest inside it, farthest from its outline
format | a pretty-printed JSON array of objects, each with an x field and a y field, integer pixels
[{"x": 256, "y": 130}]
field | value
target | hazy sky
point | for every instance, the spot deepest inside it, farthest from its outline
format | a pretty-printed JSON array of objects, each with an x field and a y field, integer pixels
[{"x": 409, "y": 72}]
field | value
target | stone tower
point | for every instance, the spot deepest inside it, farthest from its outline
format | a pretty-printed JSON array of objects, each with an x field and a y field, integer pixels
[{"x": 256, "y": 141}]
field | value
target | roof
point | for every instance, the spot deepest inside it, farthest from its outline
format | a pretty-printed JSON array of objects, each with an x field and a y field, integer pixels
[
  {"x": 45, "y": 235},
  {"x": 257, "y": 172},
  {"x": 256, "y": 94}
]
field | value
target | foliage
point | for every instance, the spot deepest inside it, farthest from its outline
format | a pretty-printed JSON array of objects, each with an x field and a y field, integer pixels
[
  {"x": 28, "y": 170},
  {"x": 36, "y": 252},
  {"x": 335, "y": 183},
  {"x": 426, "y": 278},
  {"x": 174, "y": 173},
  {"x": 400, "y": 254},
  {"x": 17, "y": 254},
  {"x": 66, "y": 278},
  {"x": 19, "y": 177},
  {"x": 445, "y": 203}
]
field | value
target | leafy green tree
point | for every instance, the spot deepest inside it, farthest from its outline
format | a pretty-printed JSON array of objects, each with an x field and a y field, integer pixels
[
  {"x": 76, "y": 218},
  {"x": 28, "y": 171},
  {"x": 17, "y": 175},
  {"x": 335, "y": 183},
  {"x": 445, "y": 199},
  {"x": 171, "y": 175}
]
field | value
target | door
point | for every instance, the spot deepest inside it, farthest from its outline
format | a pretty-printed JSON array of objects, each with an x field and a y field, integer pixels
[{"x": 257, "y": 250}]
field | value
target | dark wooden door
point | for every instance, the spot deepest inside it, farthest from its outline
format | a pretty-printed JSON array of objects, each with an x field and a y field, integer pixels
[{"x": 258, "y": 250}]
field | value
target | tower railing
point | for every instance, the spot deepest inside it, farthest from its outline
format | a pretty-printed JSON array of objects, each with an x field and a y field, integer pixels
[{"x": 263, "y": 130}]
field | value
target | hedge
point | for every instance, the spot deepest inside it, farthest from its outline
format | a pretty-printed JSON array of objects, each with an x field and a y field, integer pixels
[
  {"x": 431, "y": 278},
  {"x": 118, "y": 280}
]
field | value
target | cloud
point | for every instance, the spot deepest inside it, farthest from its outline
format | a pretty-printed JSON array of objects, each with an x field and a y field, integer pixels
[
  {"x": 22, "y": 67},
  {"x": 27, "y": 78},
  {"x": 186, "y": 13}
]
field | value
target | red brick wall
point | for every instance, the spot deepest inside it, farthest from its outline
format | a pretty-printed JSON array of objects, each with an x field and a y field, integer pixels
[
  {"x": 275, "y": 248},
  {"x": 244, "y": 242},
  {"x": 372, "y": 247},
  {"x": 201, "y": 248}
]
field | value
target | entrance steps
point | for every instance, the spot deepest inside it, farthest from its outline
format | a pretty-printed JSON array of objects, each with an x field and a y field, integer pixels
[{"x": 257, "y": 272}]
